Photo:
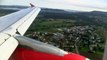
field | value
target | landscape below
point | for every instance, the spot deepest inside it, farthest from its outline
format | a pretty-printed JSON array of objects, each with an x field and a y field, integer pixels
[{"x": 74, "y": 31}]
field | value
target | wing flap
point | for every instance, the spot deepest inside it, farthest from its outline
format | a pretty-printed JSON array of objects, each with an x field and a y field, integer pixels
[
  {"x": 22, "y": 28},
  {"x": 3, "y": 38},
  {"x": 7, "y": 48}
]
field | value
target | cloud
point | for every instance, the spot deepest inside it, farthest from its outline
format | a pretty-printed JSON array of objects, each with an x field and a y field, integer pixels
[
  {"x": 80, "y": 4},
  {"x": 100, "y": 4},
  {"x": 85, "y": 5},
  {"x": 89, "y": 3}
]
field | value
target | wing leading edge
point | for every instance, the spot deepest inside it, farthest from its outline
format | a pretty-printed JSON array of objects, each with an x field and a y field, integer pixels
[{"x": 12, "y": 23}]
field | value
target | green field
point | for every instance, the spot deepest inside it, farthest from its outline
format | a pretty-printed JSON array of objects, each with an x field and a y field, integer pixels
[{"x": 50, "y": 25}]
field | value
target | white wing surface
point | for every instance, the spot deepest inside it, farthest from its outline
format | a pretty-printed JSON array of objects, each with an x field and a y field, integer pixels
[{"x": 12, "y": 23}]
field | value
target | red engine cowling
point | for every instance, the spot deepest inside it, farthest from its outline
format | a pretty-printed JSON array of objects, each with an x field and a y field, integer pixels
[{"x": 28, "y": 54}]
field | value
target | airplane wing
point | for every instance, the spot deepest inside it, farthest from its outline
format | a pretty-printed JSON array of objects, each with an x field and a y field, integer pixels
[{"x": 10, "y": 25}]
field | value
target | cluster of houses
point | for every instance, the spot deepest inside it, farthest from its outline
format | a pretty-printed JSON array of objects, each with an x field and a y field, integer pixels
[{"x": 70, "y": 38}]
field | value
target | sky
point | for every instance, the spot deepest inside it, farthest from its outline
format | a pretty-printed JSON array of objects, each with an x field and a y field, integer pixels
[{"x": 80, "y": 5}]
